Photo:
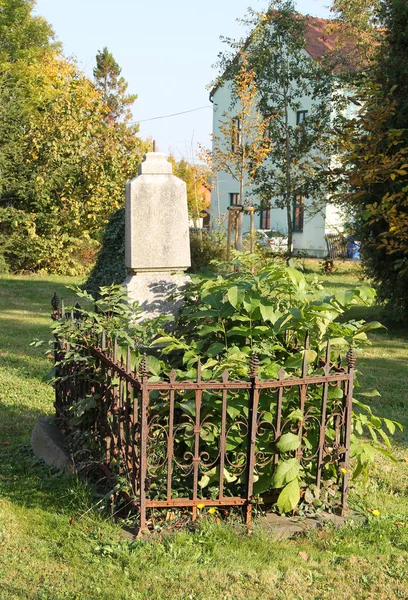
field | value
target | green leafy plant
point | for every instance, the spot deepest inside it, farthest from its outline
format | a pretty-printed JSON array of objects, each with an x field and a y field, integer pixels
[{"x": 267, "y": 311}]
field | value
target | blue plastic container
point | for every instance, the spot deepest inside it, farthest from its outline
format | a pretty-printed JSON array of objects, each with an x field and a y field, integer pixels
[{"x": 353, "y": 249}]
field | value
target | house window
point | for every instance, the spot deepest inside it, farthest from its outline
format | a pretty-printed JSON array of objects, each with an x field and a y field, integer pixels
[
  {"x": 298, "y": 213},
  {"x": 236, "y": 135},
  {"x": 265, "y": 218},
  {"x": 234, "y": 199},
  {"x": 301, "y": 116}
]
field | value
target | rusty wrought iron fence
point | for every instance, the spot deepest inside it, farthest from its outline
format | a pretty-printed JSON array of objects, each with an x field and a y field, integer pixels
[{"x": 188, "y": 444}]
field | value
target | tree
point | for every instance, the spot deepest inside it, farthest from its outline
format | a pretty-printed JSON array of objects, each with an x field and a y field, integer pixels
[
  {"x": 293, "y": 177},
  {"x": 64, "y": 159},
  {"x": 23, "y": 36},
  {"x": 113, "y": 86},
  {"x": 375, "y": 162},
  {"x": 285, "y": 76},
  {"x": 357, "y": 35},
  {"x": 197, "y": 182},
  {"x": 242, "y": 144}
]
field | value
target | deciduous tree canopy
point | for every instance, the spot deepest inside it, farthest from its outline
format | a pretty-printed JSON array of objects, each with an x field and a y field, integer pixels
[{"x": 66, "y": 150}]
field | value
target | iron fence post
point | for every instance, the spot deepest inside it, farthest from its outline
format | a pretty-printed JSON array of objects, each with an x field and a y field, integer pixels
[{"x": 348, "y": 409}]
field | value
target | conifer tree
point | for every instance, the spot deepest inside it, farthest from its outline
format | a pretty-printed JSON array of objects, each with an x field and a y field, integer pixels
[{"x": 107, "y": 74}]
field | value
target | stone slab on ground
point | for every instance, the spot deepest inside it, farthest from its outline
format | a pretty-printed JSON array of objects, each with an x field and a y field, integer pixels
[
  {"x": 48, "y": 443},
  {"x": 287, "y": 527}
]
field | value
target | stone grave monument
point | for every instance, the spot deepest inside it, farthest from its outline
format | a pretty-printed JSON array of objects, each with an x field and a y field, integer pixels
[{"x": 157, "y": 237}]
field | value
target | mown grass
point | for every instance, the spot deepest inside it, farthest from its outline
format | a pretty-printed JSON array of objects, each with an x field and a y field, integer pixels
[{"x": 56, "y": 544}]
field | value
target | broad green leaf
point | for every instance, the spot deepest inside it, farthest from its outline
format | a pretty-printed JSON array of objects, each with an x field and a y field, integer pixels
[
  {"x": 286, "y": 471},
  {"x": 281, "y": 322},
  {"x": 370, "y": 326},
  {"x": 289, "y": 497},
  {"x": 267, "y": 416},
  {"x": 271, "y": 371},
  {"x": 264, "y": 482},
  {"x": 335, "y": 393},
  {"x": 390, "y": 426},
  {"x": 153, "y": 364},
  {"x": 240, "y": 331},
  {"x": 369, "y": 393},
  {"x": 365, "y": 292},
  {"x": 166, "y": 339},
  {"x": 268, "y": 313},
  {"x": 296, "y": 313},
  {"x": 296, "y": 415},
  {"x": 215, "y": 349},
  {"x": 214, "y": 300},
  {"x": 344, "y": 298},
  {"x": 288, "y": 442},
  {"x": 385, "y": 438},
  {"x": 236, "y": 296},
  {"x": 297, "y": 278}
]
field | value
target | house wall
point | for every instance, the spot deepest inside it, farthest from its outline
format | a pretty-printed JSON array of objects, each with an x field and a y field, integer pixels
[{"x": 316, "y": 225}]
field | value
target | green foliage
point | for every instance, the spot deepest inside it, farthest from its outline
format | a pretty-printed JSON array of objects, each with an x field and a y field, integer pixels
[
  {"x": 64, "y": 159},
  {"x": 375, "y": 143},
  {"x": 110, "y": 262},
  {"x": 224, "y": 321},
  {"x": 298, "y": 156},
  {"x": 206, "y": 246}
]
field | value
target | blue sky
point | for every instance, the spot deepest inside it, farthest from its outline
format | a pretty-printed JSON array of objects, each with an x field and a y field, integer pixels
[{"x": 166, "y": 51}]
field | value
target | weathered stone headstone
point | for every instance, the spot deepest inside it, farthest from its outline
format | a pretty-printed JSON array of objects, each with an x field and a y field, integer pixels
[{"x": 157, "y": 236}]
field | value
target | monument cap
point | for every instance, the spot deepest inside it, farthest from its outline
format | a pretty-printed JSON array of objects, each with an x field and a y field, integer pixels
[{"x": 155, "y": 163}]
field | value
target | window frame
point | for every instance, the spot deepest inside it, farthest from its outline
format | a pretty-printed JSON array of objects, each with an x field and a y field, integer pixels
[
  {"x": 234, "y": 199},
  {"x": 301, "y": 115},
  {"x": 265, "y": 218},
  {"x": 298, "y": 213}
]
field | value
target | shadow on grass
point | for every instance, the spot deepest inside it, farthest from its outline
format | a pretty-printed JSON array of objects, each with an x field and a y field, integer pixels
[{"x": 25, "y": 479}]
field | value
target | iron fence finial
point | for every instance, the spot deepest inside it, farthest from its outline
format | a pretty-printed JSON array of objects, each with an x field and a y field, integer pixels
[
  {"x": 351, "y": 358},
  {"x": 254, "y": 365},
  {"x": 144, "y": 366}
]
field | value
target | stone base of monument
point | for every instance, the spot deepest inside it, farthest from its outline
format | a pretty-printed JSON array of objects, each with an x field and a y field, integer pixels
[{"x": 157, "y": 293}]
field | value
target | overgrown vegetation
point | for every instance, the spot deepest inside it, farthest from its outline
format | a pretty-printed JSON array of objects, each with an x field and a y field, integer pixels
[{"x": 265, "y": 311}]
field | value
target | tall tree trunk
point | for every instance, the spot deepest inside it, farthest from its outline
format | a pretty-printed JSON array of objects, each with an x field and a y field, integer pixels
[{"x": 288, "y": 191}]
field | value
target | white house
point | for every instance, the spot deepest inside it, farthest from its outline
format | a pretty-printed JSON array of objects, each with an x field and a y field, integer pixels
[{"x": 309, "y": 230}]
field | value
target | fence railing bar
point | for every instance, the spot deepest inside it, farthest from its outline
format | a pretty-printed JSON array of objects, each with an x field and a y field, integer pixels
[
  {"x": 189, "y": 502},
  {"x": 223, "y": 448},
  {"x": 196, "y": 457},
  {"x": 351, "y": 361},
  {"x": 323, "y": 425},
  {"x": 252, "y": 430},
  {"x": 143, "y": 454},
  {"x": 170, "y": 445}
]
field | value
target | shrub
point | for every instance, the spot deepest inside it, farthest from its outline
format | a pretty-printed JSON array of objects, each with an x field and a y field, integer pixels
[
  {"x": 205, "y": 247},
  {"x": 32, "y": 242},
  {"x": 265, "y": 311},
  {"x": 110, "y": 267}
]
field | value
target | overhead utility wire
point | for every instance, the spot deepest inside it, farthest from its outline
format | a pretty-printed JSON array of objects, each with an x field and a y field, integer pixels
[{"x": 173, "y": 115}]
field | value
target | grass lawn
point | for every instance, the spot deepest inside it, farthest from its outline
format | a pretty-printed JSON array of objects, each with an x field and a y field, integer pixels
[{"x": 55, "y": 544}]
